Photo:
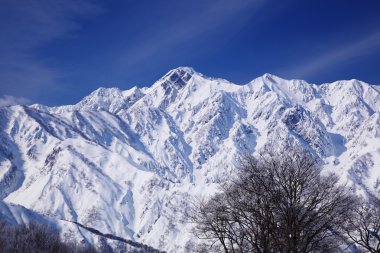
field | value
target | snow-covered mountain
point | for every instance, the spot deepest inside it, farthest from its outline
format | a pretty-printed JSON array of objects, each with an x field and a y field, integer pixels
[{"x": 127, "y": 163}]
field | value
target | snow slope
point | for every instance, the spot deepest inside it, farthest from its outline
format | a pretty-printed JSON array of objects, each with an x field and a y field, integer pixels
[{"x": 127, "y": 163}]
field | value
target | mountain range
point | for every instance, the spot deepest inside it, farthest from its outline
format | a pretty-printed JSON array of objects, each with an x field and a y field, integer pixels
[{"x": 129, "y": 163}]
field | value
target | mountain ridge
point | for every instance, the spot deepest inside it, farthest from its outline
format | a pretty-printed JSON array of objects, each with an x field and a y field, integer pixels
[{"x": 127, "y": 163}]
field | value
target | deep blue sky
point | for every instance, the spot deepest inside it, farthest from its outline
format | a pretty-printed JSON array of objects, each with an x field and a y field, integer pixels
[{"x": 57, "y": 51}]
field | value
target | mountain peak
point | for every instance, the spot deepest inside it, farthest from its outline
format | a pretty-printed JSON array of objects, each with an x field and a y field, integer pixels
[
  {"x": 184, "y": 73},
  {"x": 186, "y": 69},
  {"x": 177, "y": 77},
  {"x": 271, "y": 77}
]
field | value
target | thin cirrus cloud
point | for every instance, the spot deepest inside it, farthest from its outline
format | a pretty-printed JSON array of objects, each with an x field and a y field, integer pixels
[
  {"x": 336, "y": 55},
  {"x": 7, "y": 100},
  {"x": 24, "y": 27},
  {"x": 187, "y": 26}
]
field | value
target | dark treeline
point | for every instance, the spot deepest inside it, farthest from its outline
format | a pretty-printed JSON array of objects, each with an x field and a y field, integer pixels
[
  {"x": 39, "y": 238},
  {"x": 284, "y": 204},
  {"x": 36, "y": 238}
]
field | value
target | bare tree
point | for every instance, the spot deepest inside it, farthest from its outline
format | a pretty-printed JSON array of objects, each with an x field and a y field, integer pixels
[
  {"x": 363, "y": 229},
  {"x": 34, "y": 237},
  {"x": 3, "y": 230},
  {"x": 277, "y": 203}
]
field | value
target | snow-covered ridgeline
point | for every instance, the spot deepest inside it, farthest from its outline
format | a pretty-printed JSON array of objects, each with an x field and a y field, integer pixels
[{"x": 128, "y": 162}]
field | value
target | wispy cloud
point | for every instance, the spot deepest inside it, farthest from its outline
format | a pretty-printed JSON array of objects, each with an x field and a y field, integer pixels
[
  {"x": 339, "y": 54},
  {"x": 189, "y": 24},
  {"x": 7, "y": 100},
  {"x": 27, "y": 25}
]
